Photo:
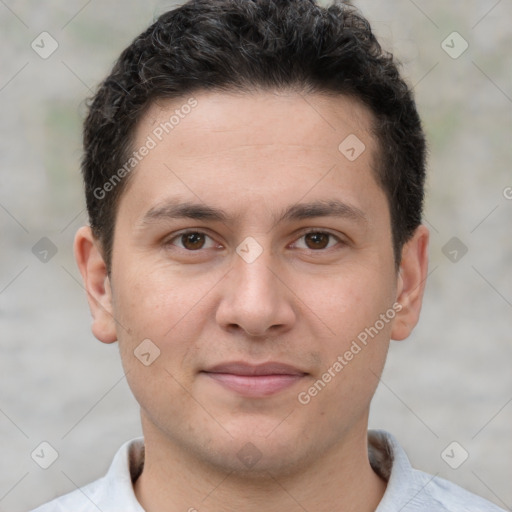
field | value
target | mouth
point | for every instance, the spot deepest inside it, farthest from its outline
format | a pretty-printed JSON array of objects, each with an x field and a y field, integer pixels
[{"x": 255, "y": 380}]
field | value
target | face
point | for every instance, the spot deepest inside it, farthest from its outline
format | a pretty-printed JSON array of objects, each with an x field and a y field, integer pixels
[{"x": 253, "y": 282}]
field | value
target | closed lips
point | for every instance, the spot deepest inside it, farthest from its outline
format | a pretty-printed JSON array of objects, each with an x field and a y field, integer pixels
[
  {"x": 255, "y": 381},
  {"x": 240, "y": 368}
]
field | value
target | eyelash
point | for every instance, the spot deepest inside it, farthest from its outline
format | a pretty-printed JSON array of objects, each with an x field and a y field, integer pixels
[{"x": 303, "y": 234}]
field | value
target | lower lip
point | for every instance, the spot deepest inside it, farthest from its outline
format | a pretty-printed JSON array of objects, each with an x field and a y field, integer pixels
[{"x": 255, "y": 385}]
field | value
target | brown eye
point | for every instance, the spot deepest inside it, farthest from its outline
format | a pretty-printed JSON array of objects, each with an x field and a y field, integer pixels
[
  {"x": 317, "y": 240},
  {"x": 193, "y": 241}
]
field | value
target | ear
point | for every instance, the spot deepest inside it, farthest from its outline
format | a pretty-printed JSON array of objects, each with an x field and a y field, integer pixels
[
  {"x": 90, "y": 261},
  {"x": 411, "y": 283}
]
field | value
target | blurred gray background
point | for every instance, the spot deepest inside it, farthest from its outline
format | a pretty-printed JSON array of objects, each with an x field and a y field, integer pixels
[{"x": 450, "y": 381}]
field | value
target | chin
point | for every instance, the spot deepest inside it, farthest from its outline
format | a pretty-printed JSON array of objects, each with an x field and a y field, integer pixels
[
  {"x": 255, "y": 452},
  {"x": 251, "y": 462}
]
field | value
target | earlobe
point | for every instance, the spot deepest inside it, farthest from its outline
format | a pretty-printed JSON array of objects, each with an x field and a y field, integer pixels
[
  {"x": 97, "y": 284},
  {"x": 411, "y": 283}
]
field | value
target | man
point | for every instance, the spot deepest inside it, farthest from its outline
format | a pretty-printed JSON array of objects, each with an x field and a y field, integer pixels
[{"x": 254, "y": 176}]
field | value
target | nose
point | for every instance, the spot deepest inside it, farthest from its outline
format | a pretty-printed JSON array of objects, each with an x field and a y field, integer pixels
[{"x": 256, "y": 298}]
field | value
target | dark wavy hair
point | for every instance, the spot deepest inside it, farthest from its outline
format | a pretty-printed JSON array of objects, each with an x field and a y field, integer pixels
[{"x": 248, "y": 45}]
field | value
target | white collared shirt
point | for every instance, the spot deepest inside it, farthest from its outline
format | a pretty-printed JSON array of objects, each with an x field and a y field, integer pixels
[{"x": 408, "y": 490}]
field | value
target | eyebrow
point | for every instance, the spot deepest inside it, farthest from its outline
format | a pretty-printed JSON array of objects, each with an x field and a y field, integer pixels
[
  {"x": 174, "y": 209},
  {"x": 332, "y": 208}
]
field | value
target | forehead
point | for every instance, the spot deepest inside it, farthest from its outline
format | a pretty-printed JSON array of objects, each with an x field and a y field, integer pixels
[
  {"x": 262, "y": 117},
  {"x": 266, "y": 145}
]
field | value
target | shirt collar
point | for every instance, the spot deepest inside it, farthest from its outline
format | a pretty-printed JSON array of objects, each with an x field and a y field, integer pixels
[
  {"x": 117, "y": 489},
  {"x": 387, "y": 459}
]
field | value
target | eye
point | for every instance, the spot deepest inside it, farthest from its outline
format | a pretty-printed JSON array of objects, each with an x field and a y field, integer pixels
[
  {"x": 192, "y": 241},
  {"x": 317, "y": 240}
]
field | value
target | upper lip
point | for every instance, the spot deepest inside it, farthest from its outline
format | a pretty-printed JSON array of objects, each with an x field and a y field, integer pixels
[{"x": 243, "y": 368}]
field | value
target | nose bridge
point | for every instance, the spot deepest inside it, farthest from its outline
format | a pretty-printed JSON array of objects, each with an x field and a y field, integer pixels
[
  {"x": 254, "y": 298},
  {"x": 255, "y": 285}
]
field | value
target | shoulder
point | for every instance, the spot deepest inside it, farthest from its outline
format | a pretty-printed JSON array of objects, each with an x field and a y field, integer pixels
[
  {"x": 447, "y": 496},
  {"x": 111, "y": 493},
  {"x": 79, "y": 500},
  {"x": 411, "y": 490}
]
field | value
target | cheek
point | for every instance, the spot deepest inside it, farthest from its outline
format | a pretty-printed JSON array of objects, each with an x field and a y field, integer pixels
[
  {"x": 154, "y": 303},
  {"x": 161, "y": 325},
  {"x": 351, "y": 301},
  {"x": 352, "y": 305},
  {"x": 146, "y": 316},
  {"x": 353, "y": 357}
]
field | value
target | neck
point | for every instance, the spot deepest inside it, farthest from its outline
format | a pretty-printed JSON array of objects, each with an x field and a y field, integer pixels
[{"x": 174, "y": 480}]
